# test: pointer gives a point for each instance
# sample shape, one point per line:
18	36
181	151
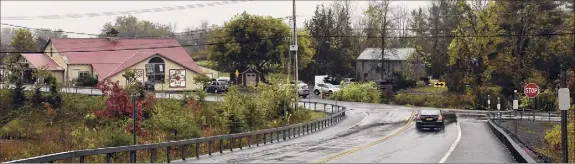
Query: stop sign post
531	90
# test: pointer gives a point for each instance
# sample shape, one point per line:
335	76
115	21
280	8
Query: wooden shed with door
248	77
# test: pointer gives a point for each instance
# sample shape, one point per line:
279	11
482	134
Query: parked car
217	87
325	88
348	81
302	90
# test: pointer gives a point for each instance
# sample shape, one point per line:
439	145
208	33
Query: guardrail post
82	159
257	140
108	157
132	156
152	155
331	108
221	145
278	136
231	140
210	147
272	137
265	139
314	105
241	138
284	133
249	140
324	107
168	154
183	152
197	150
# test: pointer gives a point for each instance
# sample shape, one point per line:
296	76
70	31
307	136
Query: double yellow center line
407	125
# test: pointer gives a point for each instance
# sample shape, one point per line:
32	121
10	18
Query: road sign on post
237	74
564	105
515	101
439	84
531	90
564	99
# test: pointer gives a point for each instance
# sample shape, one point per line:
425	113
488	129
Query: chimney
112	35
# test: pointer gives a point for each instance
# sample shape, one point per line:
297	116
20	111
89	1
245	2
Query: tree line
481	43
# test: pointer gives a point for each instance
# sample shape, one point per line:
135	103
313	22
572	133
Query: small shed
249	76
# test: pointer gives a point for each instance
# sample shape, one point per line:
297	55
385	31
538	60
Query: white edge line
453	145
365	113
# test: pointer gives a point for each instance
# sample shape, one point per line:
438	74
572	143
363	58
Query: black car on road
429	118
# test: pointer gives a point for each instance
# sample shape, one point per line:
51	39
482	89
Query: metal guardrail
517	150
291	131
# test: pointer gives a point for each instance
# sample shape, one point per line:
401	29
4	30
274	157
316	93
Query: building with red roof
162	62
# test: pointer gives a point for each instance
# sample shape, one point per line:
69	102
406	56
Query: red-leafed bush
119	104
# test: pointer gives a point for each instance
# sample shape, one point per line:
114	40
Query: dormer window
156	70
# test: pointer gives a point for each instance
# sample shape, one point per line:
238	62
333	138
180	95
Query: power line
303	36
126	12
101	35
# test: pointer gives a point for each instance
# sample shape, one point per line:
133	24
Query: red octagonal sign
531	90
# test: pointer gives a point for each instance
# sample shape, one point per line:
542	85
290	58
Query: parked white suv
325	88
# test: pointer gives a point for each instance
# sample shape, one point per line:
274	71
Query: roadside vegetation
87	122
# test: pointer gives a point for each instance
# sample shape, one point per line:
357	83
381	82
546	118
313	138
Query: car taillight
440	118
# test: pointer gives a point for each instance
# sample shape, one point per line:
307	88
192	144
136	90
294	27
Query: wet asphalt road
392	140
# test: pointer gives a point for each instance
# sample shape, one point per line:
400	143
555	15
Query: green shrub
360	92
173	119
18	97
86	81
20	128
553	139
37	98
444	100
114	137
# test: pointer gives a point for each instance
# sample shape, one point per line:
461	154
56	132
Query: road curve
477	144
364	123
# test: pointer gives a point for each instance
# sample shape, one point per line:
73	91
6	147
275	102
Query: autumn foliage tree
119	105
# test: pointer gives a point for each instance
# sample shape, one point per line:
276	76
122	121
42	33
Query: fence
255	137
540	103
96	92
514	145
529	132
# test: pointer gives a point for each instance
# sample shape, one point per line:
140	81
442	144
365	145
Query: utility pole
294	48
572	51
383	30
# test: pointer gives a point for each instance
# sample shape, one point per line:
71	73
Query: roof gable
42	60
120	54
390	53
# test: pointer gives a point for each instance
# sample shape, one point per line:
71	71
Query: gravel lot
531	134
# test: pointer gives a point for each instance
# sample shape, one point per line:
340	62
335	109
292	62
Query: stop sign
531	90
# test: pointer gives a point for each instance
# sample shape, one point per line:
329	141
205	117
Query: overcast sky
188	17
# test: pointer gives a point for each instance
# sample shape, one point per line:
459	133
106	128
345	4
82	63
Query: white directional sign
515	104
564	99
293	47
